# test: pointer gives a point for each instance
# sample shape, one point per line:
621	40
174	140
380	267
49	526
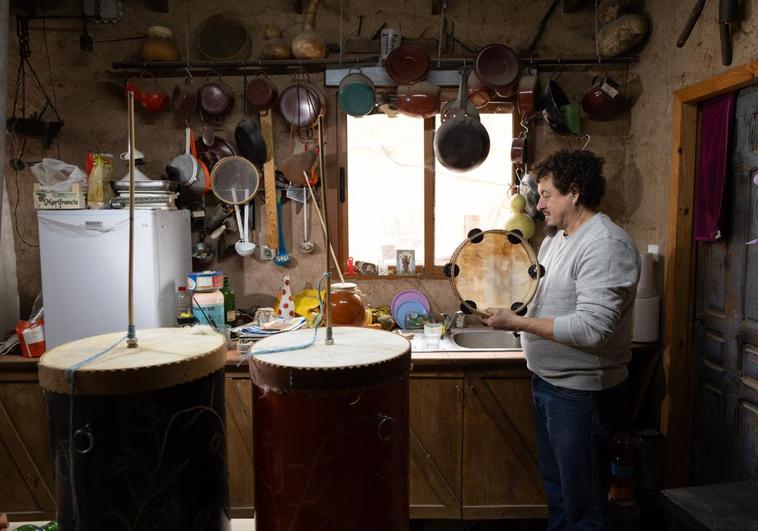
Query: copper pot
419	99
261	93
479	94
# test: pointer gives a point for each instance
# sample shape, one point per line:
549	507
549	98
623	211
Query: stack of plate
271	328
406	302
147	194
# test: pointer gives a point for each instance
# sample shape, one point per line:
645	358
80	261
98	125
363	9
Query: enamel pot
356	94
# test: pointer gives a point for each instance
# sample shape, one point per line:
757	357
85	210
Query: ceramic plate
409	295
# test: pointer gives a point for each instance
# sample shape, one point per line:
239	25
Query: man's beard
550	230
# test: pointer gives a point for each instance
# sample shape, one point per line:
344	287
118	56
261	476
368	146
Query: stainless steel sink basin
485	338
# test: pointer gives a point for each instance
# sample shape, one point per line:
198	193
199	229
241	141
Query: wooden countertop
11	363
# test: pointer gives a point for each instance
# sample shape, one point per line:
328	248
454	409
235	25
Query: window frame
426	271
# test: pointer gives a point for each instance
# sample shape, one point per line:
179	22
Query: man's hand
502	318
505	319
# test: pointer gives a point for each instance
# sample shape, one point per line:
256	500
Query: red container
32	338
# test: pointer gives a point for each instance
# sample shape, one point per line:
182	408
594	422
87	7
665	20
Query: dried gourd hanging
309	44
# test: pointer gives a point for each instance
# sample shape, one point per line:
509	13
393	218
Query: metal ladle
306	246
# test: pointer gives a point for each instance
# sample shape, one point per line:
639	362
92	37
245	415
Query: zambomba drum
330	434
138	435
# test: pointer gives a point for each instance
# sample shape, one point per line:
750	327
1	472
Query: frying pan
461	143
301	103
553	98
210	155
250	141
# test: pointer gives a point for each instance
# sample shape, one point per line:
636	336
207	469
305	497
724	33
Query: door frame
677	405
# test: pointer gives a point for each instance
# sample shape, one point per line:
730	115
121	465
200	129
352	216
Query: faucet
457	320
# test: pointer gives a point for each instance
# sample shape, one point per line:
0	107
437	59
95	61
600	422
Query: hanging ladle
281	258
243	246
306	246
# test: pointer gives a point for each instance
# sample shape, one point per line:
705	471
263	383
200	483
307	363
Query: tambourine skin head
493	268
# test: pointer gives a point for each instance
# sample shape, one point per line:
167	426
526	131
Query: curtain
716	118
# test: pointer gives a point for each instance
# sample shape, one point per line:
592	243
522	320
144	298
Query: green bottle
230	303
50	526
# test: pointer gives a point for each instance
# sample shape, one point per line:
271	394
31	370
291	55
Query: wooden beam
677	405
729	81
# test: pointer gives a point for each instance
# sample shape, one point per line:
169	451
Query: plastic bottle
230	302
184	307
622	468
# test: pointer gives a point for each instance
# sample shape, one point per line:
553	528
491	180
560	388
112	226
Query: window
397	191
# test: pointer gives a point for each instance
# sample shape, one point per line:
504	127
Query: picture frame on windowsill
405	263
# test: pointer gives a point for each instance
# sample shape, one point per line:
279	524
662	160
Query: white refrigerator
84	257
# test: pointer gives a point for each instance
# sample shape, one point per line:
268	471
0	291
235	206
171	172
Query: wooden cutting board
269	180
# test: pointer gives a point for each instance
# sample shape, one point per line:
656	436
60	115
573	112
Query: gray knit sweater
589	287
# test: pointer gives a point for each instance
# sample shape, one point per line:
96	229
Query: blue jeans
574	430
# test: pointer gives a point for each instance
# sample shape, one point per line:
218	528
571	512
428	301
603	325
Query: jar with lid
346	304
207	299
159	45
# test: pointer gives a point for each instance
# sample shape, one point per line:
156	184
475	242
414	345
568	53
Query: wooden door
239	442
26	464
435	440
501	476
725	419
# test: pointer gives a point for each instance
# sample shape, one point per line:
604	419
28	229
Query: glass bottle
230	302
184	307
622	468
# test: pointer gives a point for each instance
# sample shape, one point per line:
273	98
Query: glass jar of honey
346	304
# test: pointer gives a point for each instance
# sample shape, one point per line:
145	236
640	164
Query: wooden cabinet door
239	443
501	477
436	431
26	464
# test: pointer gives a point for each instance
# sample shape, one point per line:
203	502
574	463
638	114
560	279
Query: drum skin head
493	269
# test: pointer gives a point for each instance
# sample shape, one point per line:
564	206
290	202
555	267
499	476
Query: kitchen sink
485	338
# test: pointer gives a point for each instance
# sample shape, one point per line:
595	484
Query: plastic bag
57	175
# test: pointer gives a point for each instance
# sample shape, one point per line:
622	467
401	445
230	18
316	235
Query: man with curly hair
576	338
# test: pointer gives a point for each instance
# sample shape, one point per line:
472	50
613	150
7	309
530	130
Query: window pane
385	168
477	198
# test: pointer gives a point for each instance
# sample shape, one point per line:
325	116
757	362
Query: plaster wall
636	145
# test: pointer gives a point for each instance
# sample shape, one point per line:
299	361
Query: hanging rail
179	68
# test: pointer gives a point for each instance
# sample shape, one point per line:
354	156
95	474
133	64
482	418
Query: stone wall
636	145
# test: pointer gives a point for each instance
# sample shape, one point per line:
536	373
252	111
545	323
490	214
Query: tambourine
494	269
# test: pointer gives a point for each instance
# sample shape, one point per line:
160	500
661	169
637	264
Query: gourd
519	220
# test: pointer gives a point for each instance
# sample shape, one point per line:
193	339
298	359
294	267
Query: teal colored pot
356	95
